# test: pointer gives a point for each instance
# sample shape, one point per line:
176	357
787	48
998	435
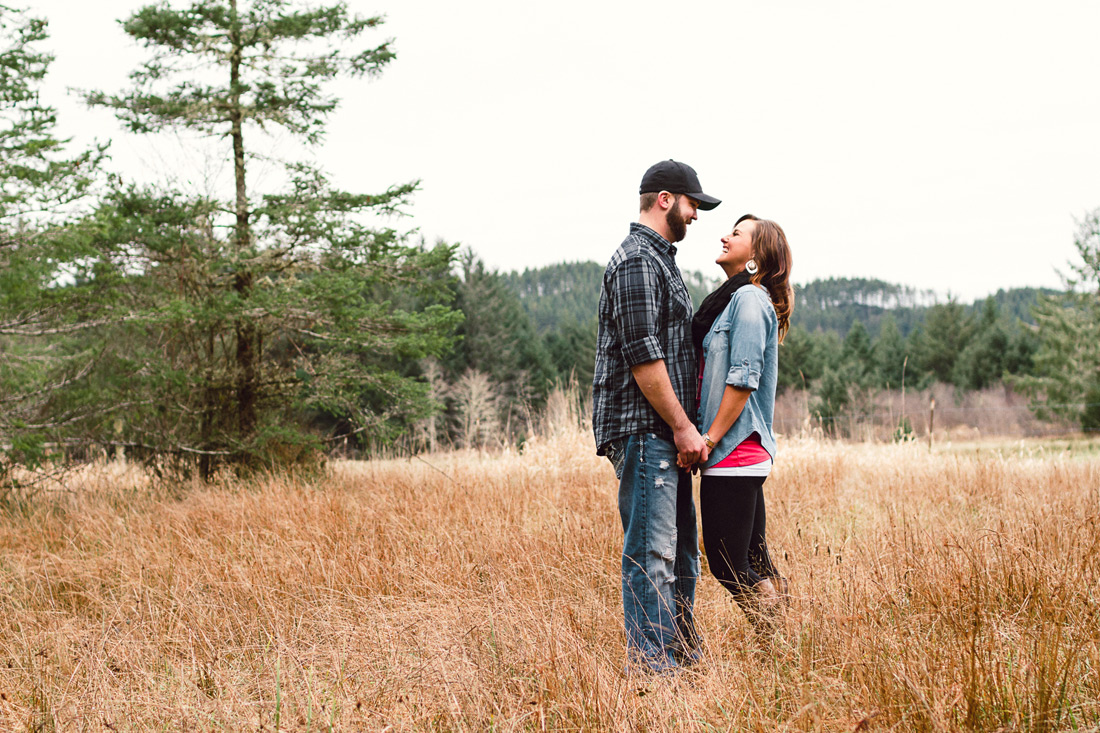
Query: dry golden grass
470	592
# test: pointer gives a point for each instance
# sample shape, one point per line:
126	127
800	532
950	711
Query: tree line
854	338
849	338
280	320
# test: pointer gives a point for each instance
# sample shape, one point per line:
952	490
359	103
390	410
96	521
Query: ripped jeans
660	552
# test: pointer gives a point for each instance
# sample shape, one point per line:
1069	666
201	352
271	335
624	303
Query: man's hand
690	445
652	379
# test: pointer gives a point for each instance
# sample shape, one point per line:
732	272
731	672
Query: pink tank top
748	453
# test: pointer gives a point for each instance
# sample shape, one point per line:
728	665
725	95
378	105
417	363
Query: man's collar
663	245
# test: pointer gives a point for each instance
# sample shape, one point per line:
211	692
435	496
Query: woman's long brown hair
773	258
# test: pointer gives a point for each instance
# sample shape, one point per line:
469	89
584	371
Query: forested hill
835	304
569	292
848	337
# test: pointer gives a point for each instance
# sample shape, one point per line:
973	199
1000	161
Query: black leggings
733	531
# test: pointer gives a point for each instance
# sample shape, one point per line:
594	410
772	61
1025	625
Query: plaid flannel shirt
645	314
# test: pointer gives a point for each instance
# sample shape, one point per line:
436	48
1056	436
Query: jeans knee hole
669	553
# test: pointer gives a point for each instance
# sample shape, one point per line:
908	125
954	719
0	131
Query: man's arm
652	379
637	290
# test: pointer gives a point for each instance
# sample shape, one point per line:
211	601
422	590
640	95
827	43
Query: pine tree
572	349
797	369
1066	382
295	310
40	183
986	357
499	342
858	352
37	175
891	355
947	330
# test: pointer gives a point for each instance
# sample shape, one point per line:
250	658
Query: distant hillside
568	293
558	294
834	304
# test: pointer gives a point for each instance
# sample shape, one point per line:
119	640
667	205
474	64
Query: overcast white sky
946	145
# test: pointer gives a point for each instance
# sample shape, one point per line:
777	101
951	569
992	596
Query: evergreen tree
947	330
796	366
857	352
891	356
37	175
1066	379
292	310
828	352
39	183
499	342
833	386
572	349
834	397
996	349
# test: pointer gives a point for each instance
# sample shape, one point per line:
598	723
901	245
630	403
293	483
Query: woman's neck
732	270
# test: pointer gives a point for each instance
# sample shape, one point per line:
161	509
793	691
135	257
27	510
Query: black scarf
713	305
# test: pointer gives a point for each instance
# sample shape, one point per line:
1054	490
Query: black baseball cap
674	177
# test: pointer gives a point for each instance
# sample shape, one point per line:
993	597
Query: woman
738	329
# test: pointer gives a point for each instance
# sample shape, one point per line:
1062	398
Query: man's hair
649	200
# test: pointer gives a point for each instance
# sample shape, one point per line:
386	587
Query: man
644	392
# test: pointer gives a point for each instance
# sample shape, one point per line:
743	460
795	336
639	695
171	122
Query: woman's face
737	247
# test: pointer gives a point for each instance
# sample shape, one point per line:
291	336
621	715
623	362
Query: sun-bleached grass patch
936	591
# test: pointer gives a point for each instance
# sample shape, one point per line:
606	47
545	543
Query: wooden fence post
931	421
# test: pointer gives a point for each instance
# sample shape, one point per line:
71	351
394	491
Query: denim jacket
742	349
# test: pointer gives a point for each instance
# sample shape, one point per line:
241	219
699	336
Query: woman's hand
693	467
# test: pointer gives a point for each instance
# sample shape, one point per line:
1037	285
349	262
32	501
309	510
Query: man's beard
677	226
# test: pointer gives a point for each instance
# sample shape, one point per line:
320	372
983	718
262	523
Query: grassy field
952	590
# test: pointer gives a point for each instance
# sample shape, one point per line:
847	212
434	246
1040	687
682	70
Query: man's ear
666	200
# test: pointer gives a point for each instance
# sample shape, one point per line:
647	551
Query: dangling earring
751	267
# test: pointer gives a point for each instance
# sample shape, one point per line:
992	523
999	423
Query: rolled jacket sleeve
748	340
636	311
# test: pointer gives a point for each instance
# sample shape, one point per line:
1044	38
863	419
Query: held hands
693	467
691	447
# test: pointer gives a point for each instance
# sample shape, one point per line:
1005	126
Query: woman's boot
784	589
763	607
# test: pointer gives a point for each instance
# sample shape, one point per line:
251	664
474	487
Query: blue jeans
660	552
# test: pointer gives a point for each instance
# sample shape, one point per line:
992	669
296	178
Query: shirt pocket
716	344
679	305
